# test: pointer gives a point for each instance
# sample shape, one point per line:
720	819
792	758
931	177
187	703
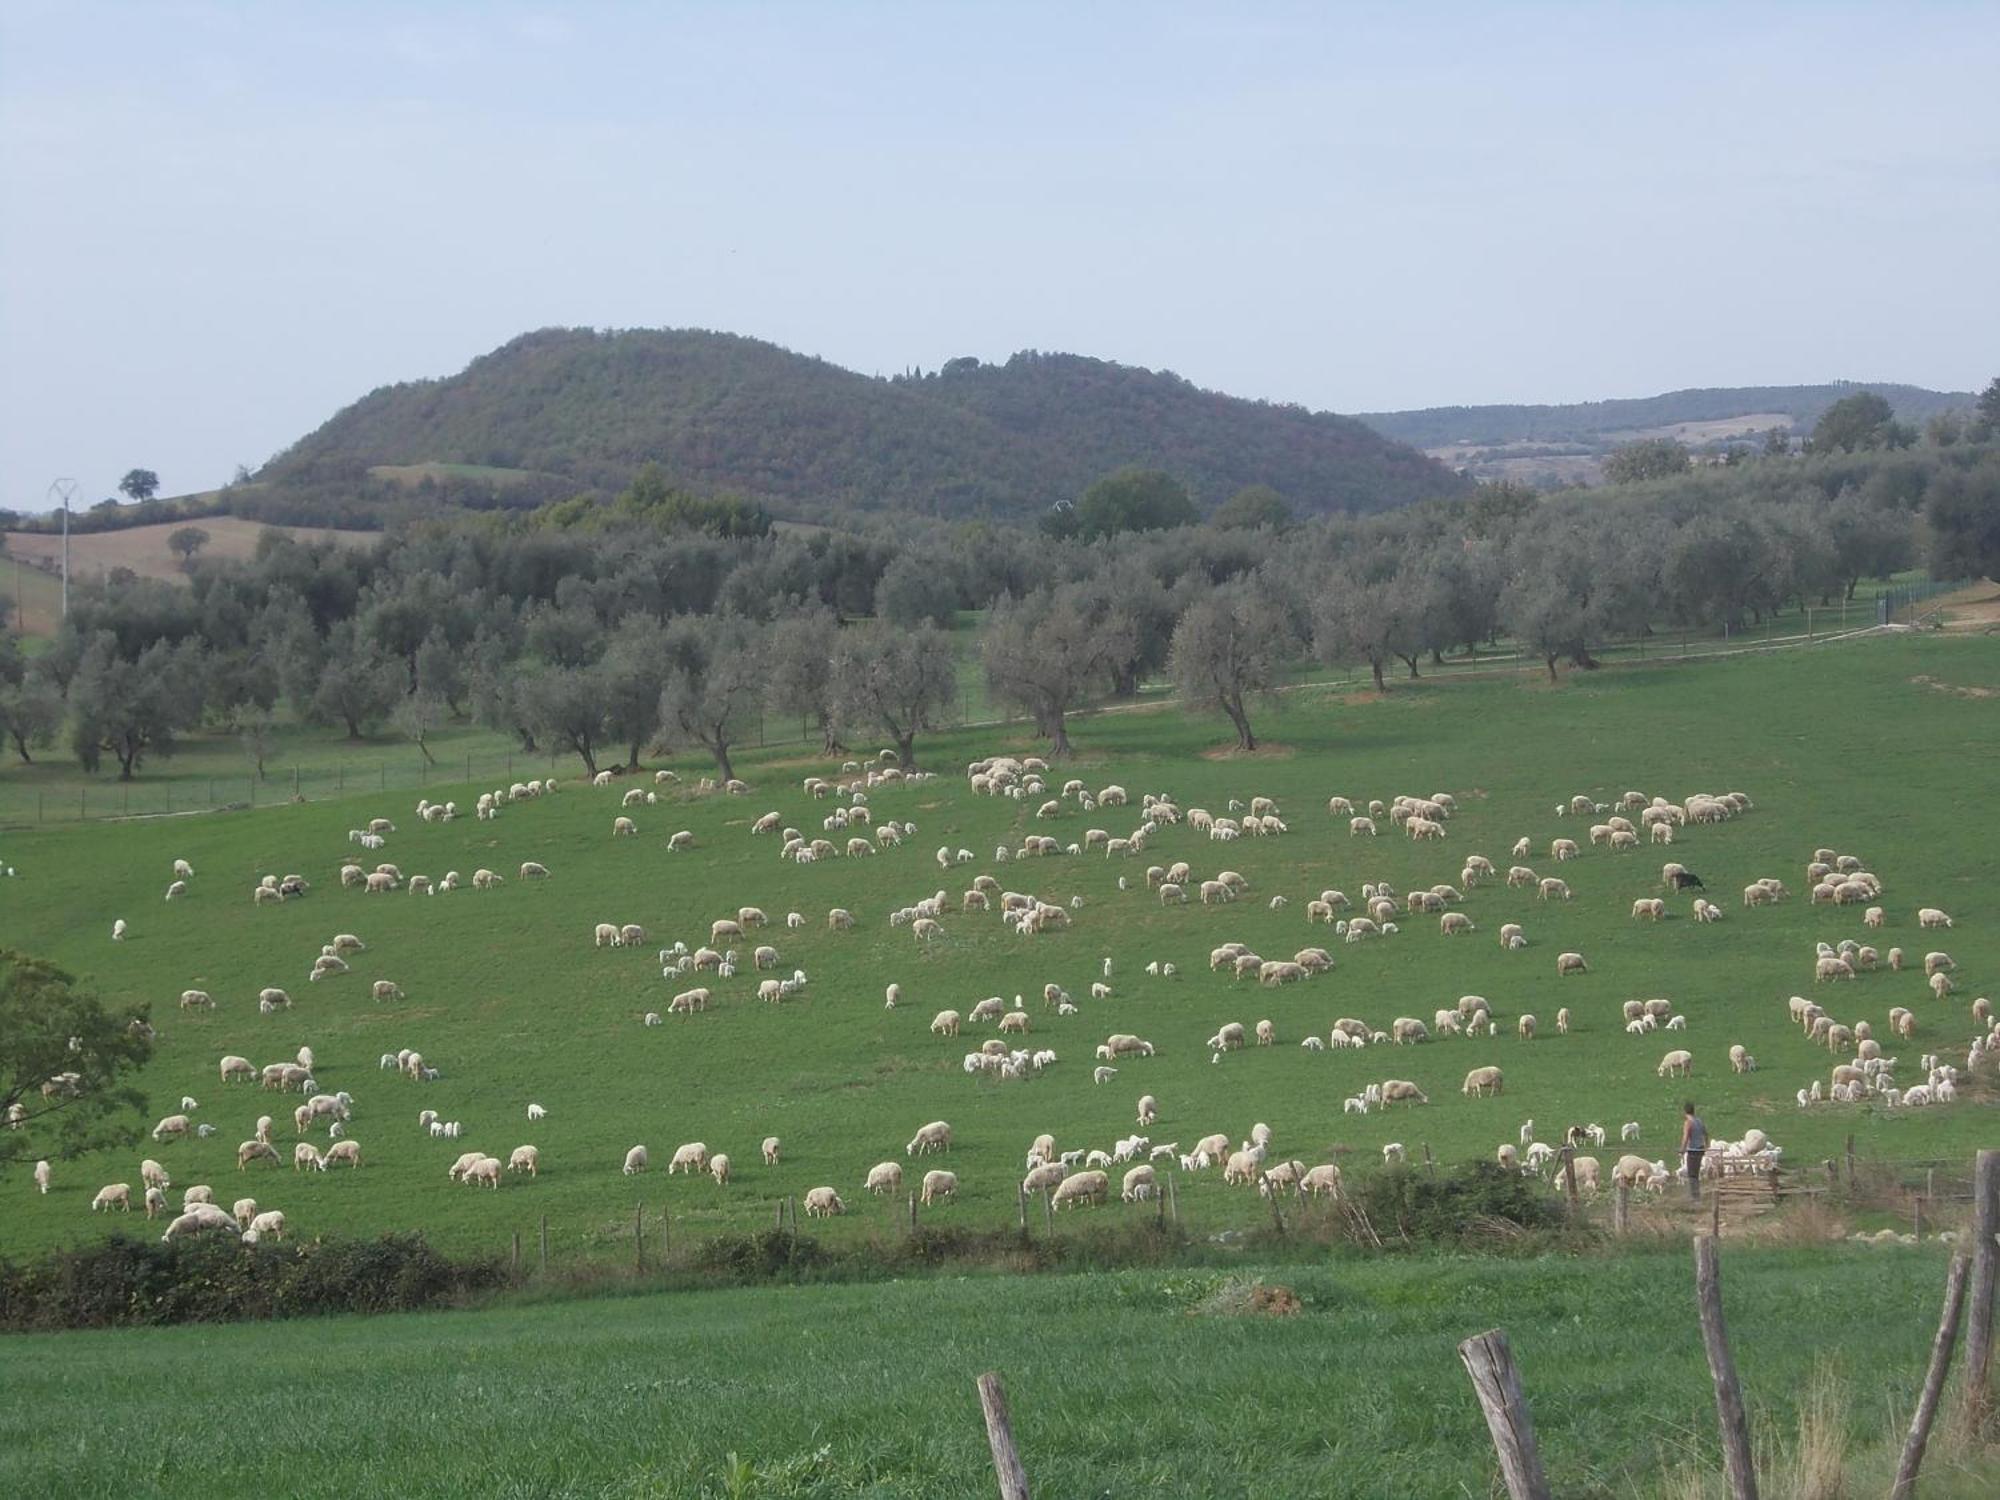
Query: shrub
125	1282
1474	1204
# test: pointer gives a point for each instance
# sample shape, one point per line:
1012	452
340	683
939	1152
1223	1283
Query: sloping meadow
505	994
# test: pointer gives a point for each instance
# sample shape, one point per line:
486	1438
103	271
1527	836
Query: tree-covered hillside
586	409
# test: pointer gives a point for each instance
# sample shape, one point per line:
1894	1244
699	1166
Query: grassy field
1121	1384
143	549
507	995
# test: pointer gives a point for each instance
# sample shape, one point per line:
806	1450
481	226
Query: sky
220	223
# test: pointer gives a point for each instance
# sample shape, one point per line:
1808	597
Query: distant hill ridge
1590	421
585	409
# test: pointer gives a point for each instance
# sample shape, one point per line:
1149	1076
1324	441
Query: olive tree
897	681
713	689
1230	644
1041	655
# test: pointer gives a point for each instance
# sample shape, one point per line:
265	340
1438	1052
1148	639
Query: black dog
1687	880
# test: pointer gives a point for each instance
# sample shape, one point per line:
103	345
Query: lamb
937	1186
118	931
823	1203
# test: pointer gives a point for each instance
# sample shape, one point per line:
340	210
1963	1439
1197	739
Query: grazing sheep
1402	1091
1676	1065
1928	916
1149	1109
1082	1187
935	1136
690	1158
1526	1028
257	1150
884	1178
635	1161
718	1168
343	1151
938	1185
1562	1021
823	1203
1482	1081
1570	963
114	1195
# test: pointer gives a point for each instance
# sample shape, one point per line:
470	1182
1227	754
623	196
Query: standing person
1694	1144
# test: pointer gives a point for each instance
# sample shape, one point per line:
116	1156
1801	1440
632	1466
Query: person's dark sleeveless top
1697	1134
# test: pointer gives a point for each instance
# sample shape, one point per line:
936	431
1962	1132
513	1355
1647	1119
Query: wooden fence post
1174	1199
913	1213
639	1236
1621	1207
1049	1212
1927	1402
1271	1193
778	1223
1568	1154
1021	1207
1497	1383
1715	1212
1430	1162
545	1244
1979	1337
515	1261
1734	1421
1000	1438
1850	1164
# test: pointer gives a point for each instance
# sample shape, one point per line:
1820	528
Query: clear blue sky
224	221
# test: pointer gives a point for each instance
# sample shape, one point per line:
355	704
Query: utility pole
65	491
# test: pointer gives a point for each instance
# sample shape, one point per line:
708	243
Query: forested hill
568	409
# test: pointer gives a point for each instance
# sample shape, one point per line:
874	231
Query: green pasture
1876	747
1121	1384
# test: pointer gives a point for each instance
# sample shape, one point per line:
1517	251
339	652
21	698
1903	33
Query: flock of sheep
1082	1174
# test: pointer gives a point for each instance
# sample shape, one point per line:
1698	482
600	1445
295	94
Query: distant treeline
613	629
